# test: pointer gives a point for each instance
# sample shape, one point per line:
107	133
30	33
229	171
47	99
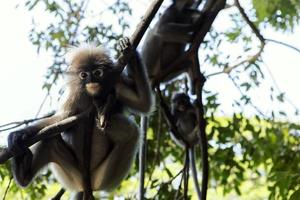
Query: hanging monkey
184	114
168	40
112	146
185	119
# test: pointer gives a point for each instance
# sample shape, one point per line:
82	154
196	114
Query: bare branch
229	69
284	44
7	188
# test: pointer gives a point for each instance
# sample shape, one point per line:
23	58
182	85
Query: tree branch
140	30
284	44
228	70
249	22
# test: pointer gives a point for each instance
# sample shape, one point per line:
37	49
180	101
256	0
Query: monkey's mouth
93	88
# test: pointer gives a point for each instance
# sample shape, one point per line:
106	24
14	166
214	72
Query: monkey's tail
194	171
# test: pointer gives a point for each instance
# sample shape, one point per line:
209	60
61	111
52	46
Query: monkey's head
93	70
181	103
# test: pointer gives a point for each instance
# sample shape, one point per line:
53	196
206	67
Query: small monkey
111	150
184	113
168	39
185	117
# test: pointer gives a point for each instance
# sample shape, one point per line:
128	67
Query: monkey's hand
126	48
16	143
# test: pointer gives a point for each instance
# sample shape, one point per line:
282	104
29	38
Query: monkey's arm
138	95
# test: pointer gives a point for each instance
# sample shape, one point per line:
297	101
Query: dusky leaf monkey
111	149
168	39
185	119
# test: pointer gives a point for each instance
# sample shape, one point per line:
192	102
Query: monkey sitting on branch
86	157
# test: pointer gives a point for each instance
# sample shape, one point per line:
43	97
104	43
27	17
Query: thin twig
43	103
242	93
180	184
251	59
24	122
278	88
59	194
284	44
229	69
7	188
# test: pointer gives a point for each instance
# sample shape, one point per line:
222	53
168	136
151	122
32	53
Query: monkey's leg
125	136
65	166
139	95
194	171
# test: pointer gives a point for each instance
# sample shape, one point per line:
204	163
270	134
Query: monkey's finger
127	41
121	46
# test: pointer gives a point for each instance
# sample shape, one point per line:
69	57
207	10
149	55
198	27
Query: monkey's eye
83	75
98	73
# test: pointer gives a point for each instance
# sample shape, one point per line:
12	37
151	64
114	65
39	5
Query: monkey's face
96	79
93	70
181	103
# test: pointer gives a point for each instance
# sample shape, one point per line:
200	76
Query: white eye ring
98	73
83	75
